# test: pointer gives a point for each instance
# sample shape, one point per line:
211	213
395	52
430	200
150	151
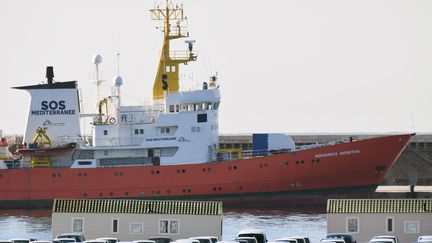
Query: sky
290	66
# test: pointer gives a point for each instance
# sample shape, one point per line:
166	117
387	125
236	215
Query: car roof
384	236
186	240
332	240
251	231
381	240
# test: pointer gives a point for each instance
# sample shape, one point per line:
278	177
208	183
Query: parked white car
392	237
77	236
109	239
287	240
144	241
247	239
423	238
382	240
20	240
186	241
259	235
64	240
205	239
332	240
96	241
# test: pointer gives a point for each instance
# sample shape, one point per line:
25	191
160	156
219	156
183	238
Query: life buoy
112	120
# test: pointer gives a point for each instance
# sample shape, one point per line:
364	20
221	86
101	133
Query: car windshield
251	240
258	237
161	240
346	238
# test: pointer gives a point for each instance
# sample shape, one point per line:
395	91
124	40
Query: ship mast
167	76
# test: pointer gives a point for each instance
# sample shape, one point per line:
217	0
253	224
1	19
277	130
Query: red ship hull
307	177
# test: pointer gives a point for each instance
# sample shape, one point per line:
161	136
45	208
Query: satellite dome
97	59
117	81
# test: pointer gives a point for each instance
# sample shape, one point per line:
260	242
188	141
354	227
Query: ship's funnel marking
53	107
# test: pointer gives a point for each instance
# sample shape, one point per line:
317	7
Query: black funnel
50	74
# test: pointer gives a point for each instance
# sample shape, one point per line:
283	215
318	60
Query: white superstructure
183	131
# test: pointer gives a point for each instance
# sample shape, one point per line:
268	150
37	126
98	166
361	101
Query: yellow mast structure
167	76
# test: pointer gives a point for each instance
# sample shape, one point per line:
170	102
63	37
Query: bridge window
165	130
85	162
202	117
171	108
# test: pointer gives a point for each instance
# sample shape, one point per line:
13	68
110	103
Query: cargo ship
169	149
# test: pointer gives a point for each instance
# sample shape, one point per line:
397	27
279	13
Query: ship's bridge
206	99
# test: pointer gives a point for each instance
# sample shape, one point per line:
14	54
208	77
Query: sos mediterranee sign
53	107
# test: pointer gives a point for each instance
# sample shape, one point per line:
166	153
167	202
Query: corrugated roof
379	206
136	206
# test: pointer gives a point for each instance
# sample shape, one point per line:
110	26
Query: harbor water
276	223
